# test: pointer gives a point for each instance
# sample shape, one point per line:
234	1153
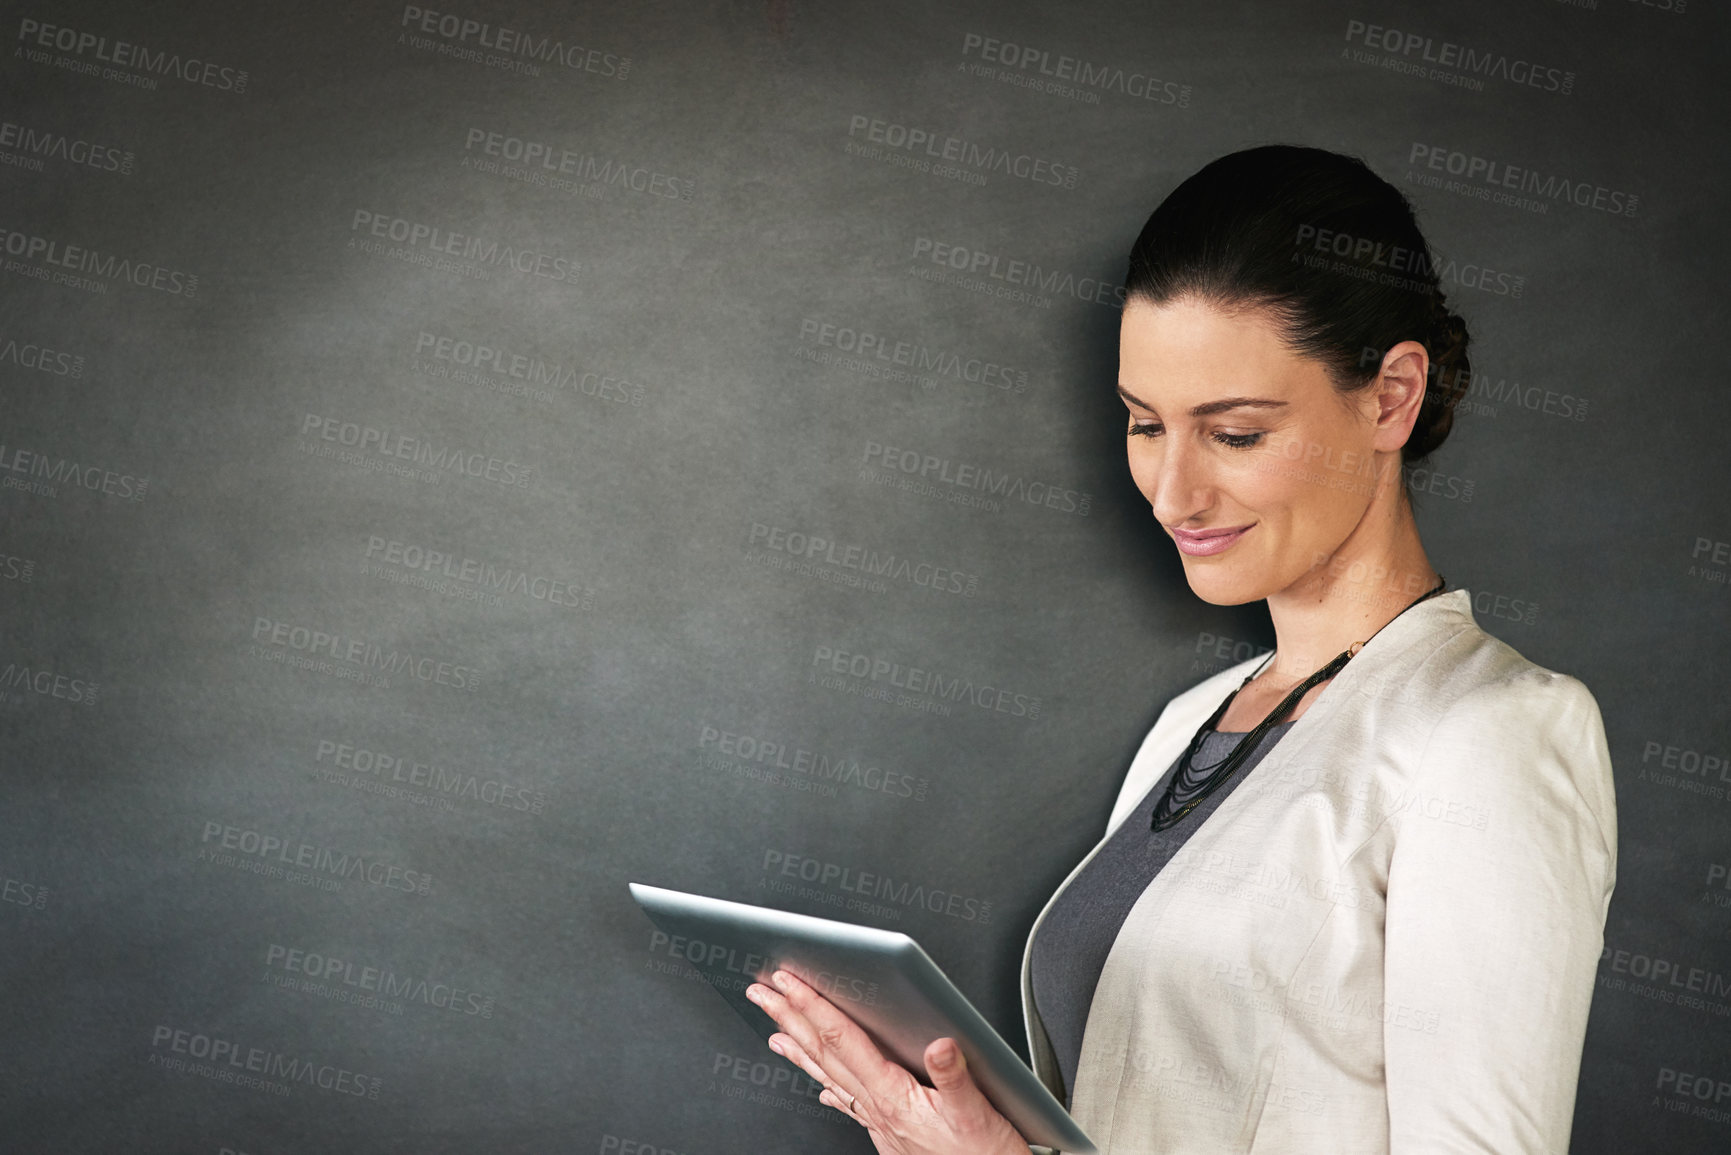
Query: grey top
1071	947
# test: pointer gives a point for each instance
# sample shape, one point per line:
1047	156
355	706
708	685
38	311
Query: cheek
1143	466
1266	482
1316	499
1297	492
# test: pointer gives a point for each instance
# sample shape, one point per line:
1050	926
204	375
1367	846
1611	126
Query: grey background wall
446	477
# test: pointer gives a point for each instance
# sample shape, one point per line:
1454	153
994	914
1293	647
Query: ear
1399	391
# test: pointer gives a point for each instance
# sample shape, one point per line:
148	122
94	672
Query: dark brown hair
1328	248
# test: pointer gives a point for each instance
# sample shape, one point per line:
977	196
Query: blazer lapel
1175	727
1178	724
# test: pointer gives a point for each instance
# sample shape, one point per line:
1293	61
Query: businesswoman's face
1254	463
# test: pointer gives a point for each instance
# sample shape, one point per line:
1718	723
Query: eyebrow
1210	407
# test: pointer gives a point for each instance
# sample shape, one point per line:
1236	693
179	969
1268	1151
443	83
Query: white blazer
1384	940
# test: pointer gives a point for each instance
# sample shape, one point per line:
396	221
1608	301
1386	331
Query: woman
1352	894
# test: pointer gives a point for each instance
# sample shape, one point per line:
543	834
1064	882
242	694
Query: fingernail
776	1047
754	994
779	978
947	1057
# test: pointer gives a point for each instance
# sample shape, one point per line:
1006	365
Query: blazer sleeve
1498	884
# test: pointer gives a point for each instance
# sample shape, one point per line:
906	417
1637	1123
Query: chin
1221	588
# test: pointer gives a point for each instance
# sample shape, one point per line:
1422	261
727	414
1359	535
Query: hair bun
1450	378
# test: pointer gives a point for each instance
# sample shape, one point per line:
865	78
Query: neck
1378	571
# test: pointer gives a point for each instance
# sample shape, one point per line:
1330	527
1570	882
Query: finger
788	1048
806	1035
794	1027
842	1045
838	1044
832	1096
770	1002
831	1099
962	1099
947	1068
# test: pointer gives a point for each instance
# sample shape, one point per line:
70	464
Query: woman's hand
902	1116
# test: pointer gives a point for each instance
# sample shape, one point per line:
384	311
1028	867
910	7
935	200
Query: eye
1145	429
1238	440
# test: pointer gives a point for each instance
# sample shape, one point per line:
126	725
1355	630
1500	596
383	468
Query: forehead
1185	351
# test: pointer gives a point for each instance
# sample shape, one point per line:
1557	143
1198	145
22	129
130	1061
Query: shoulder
1525	743
1454	675
1486	684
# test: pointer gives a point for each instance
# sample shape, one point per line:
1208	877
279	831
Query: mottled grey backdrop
459	459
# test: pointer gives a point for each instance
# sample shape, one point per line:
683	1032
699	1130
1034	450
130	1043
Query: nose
1182	487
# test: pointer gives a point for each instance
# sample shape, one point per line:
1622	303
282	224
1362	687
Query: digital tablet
880	978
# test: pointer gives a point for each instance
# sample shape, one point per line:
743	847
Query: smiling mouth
1202	543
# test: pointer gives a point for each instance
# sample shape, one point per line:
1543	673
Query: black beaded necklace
1170	810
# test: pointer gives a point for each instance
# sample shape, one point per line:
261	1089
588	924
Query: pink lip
1203	543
